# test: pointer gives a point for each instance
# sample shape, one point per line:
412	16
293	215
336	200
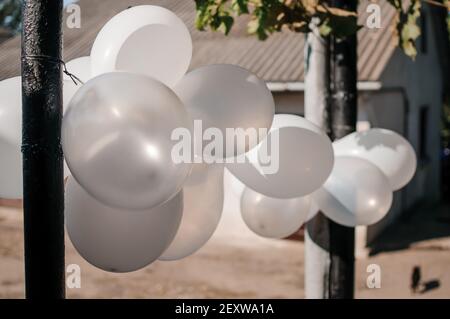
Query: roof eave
300	86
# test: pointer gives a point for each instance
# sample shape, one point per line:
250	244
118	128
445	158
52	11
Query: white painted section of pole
317	259
315	78
362	86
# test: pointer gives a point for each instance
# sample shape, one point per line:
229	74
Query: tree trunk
330	247
42	153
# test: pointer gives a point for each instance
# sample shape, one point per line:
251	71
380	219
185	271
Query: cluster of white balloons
128	203
353	187
369	166
276	204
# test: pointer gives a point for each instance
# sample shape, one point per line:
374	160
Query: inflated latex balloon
356	193
11	138
234	184
11	184
11	110
118	240
294	160
203	204
116	137
273	217
145	39
227	97
388	150
313	210
81	68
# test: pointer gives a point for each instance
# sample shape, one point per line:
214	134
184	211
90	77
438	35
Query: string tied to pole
75	79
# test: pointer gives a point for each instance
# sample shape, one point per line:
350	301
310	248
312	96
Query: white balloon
301	164
388	150
145	39
11	184
11	177
11	110
273	217
356	193
81	68
227	96
313	210
116	137
118	240
231	182
11	138
203	204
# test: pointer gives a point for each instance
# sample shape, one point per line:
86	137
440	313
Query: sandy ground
237	264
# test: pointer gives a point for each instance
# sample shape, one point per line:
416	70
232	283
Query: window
423	133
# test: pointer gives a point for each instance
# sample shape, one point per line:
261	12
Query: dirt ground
237	264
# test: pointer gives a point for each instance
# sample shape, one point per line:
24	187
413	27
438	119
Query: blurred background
395	92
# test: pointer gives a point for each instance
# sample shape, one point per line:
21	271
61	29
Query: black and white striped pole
43	179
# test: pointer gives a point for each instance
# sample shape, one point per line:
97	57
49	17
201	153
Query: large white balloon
81	68
203	203
390	151
301	159
118	240
273	217
11	180
234	184
227	97
313	210
11	184
356	193
116	136
11	138
11	110
145	39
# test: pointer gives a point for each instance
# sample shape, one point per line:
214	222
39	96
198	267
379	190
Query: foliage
407	30
269	16
10	14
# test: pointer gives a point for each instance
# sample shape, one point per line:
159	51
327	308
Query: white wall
422	80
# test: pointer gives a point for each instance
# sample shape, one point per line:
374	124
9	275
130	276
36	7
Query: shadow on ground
423	224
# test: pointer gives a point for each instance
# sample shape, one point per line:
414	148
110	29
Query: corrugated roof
278	59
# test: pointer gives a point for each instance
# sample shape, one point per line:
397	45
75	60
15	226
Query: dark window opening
423	133
423	29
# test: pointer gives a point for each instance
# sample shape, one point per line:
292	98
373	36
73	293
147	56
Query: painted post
330	247
344	109
42	154
317	87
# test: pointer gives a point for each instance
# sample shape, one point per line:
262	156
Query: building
394	91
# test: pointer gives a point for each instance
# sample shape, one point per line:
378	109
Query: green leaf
325	29
253	26
409	30
227	24
339	26
240	6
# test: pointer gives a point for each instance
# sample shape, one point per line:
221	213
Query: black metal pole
42	154
336	239
343	121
